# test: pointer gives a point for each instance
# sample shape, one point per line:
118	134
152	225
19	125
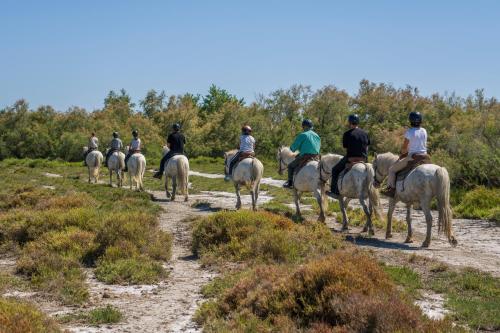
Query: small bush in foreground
17	317
480	203
260	237
130	271
344	292
97	316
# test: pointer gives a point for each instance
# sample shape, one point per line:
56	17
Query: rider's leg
395	168
126	160
336	170
232	163
163	162
291	168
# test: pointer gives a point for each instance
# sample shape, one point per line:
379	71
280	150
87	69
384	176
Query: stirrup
157	174
227	178
288	185
333	195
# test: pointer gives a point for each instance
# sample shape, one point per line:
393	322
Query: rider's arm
297	143
404	148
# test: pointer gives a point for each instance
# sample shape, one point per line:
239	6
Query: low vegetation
20	317
481	202
97	316
296	277
59	231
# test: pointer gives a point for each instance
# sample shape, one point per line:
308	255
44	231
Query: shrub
130	271
18	317
346	291
482	203
261	236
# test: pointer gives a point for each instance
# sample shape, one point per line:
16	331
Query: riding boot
289	183
334	186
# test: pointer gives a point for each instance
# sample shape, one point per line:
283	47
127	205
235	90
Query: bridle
377	175
281	163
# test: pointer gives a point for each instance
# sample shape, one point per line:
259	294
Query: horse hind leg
296	197
368	225
319	199
409	236
345	220
174	187
428	219
238	198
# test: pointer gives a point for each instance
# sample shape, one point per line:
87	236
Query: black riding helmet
246	129
135	133
353	119
307	123
415	118
115	134
176	127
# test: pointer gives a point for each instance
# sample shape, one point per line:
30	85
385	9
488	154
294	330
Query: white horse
306	180
419	187
116	163
249	173
94	162
357	183
136	165
177	169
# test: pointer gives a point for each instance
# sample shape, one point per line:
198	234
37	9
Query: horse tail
183	174
121	161
257	170
373	195
324	197
444	209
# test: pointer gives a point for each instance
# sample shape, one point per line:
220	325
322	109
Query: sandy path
478	240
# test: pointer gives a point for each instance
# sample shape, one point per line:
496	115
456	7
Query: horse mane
287	151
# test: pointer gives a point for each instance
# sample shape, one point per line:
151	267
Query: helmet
353	119
246	129
415	118
115	134
307	123
135	133
176	127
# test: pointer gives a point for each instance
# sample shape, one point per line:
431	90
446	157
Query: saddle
304	159
244	155
417	160
351	161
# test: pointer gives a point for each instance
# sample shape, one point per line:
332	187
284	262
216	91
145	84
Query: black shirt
356	142
176	141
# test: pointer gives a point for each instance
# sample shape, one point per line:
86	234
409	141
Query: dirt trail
478	240
170	305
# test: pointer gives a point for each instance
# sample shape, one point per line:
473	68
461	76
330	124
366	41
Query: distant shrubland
463	132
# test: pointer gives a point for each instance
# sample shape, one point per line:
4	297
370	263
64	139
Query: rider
415	143
115	145
247	147
92	145
134	147
356	142
175	143
308	143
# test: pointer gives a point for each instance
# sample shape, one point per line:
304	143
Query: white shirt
135	144
247	143
418	140
93	142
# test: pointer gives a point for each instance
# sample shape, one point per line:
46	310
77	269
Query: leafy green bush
482	203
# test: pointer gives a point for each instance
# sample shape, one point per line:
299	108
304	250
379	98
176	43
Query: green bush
130	271
261	237
482	203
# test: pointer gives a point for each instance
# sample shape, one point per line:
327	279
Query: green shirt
307	142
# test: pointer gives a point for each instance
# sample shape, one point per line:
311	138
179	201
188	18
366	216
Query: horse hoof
387	236
408	240
186	199
365	229
371	233
344	229
426	244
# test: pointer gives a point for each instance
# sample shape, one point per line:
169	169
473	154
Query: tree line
463	132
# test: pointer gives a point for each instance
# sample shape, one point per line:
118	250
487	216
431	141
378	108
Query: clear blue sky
65	53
